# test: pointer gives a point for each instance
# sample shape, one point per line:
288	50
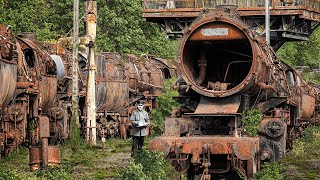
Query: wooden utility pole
75	88
91	28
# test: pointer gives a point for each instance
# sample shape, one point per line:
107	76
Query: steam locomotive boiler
122	81
226	70
28	90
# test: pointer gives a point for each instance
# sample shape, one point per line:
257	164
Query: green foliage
148	165
270	171
310	76
9	174
75	139
122	29
44	17
312	134
303	161
305	53
251	121
165	105
132	172
53	174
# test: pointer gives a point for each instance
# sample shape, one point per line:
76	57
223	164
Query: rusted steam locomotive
121	82
36	82
28	89
227	69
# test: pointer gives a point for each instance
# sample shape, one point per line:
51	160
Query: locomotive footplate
236	149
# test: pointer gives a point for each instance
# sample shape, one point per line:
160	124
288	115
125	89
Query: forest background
122	29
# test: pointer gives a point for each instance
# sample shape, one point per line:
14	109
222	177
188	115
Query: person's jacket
139	121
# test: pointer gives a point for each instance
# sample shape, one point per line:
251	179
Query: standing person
140	121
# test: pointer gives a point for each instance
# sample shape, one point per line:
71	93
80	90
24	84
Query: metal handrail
176	4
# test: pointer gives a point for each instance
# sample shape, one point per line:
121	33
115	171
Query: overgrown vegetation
306	53
16	167
148	165
271	171
251	121
85	163
121	27
313	77
75	139
165	105
303	162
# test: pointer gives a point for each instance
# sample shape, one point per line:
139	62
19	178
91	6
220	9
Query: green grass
85	162
303	162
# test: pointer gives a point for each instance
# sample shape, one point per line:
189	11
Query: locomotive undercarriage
216	145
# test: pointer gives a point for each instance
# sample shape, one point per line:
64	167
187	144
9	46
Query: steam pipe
202	64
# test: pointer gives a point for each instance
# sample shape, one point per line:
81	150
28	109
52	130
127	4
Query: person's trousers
137	144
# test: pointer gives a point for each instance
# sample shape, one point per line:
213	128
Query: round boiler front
217	57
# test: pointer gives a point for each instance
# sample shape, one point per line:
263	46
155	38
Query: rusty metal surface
243	5
44	127
219	27
8	66
48	91
122	81
112	96
8	79
244	147
228	105
53	156
35	157
28	89
307	106
176	16
227	68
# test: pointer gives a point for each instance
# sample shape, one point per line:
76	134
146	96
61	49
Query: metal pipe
233	62
267	19
202	63
44	152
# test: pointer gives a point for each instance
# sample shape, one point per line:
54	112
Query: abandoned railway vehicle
228	68
36	82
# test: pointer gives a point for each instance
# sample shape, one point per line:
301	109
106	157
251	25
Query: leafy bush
53	174
132	172
270	171
148	165
251	121
9	174
312	134
165	105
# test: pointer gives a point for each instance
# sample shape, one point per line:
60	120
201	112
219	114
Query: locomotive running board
245	148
